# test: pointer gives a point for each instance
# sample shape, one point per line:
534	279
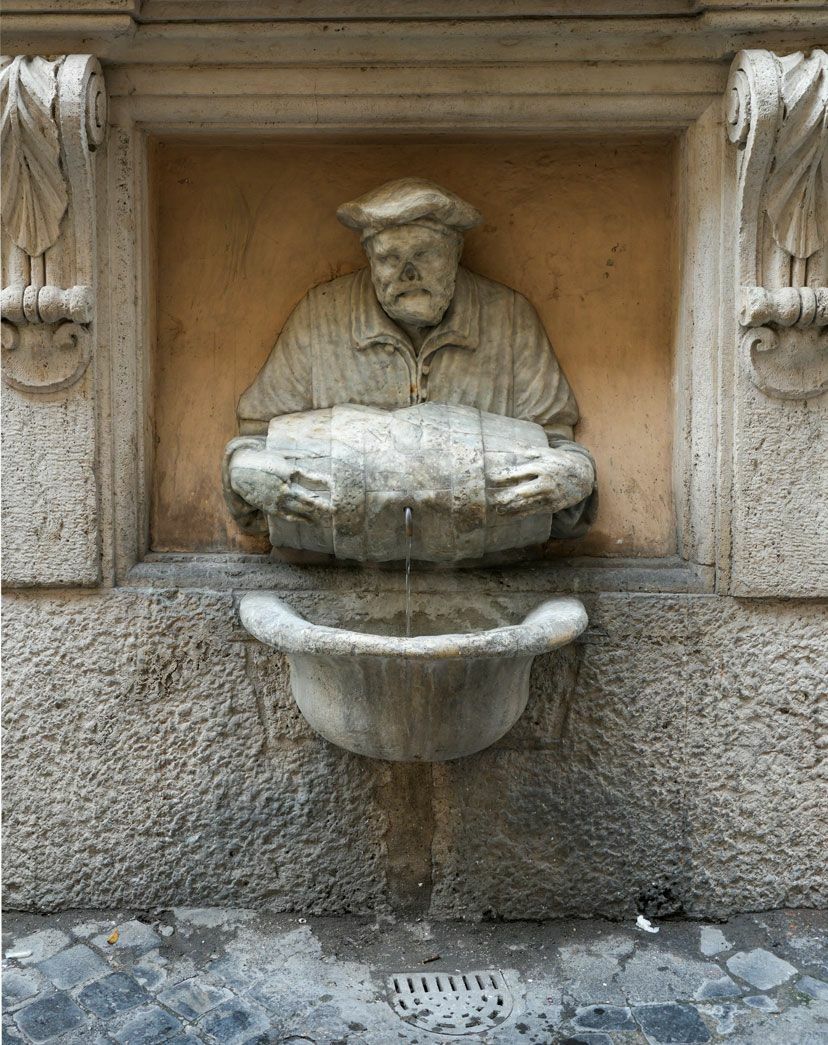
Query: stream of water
408	517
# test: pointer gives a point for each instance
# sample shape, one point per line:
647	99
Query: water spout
408	518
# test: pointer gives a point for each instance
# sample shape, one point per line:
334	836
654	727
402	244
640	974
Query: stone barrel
434	458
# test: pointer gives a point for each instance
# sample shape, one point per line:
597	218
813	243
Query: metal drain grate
460	1003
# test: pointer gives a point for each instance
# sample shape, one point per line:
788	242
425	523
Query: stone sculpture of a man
415	326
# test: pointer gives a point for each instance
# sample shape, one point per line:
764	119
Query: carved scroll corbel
52	119
777	116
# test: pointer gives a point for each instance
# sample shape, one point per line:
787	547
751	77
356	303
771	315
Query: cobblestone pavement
243	977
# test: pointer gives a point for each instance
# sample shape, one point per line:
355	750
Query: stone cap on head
408	201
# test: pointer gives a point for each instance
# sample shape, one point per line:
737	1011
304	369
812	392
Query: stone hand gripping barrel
433	458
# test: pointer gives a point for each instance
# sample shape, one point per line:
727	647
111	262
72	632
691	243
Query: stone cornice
293	32
202	11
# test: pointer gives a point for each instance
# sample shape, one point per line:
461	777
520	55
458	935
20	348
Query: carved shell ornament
777	115
35	196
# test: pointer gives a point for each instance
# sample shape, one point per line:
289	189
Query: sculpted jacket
490	351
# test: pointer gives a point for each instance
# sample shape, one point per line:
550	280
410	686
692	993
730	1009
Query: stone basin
457	685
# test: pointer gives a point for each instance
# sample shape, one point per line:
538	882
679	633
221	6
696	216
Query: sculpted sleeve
284	385
248	517
542	394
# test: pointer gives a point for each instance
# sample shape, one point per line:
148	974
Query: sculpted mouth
413	292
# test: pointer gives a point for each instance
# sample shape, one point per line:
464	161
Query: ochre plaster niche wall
582	228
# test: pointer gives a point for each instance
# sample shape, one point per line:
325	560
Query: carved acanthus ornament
777	115
52	119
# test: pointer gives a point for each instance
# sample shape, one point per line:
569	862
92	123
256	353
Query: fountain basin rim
554	623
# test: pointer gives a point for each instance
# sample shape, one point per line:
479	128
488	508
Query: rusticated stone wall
667	763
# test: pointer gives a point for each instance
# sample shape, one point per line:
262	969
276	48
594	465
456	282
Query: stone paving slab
193	998
48	1017
78	964
20	985
112	994
760	968
40	945
189	976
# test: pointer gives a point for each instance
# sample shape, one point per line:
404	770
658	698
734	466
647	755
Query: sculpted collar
460	325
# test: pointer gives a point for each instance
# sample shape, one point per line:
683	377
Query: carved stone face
413	270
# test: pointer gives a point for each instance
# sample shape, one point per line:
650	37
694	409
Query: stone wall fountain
412	410
170	176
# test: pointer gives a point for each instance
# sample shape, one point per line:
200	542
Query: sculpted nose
409	272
